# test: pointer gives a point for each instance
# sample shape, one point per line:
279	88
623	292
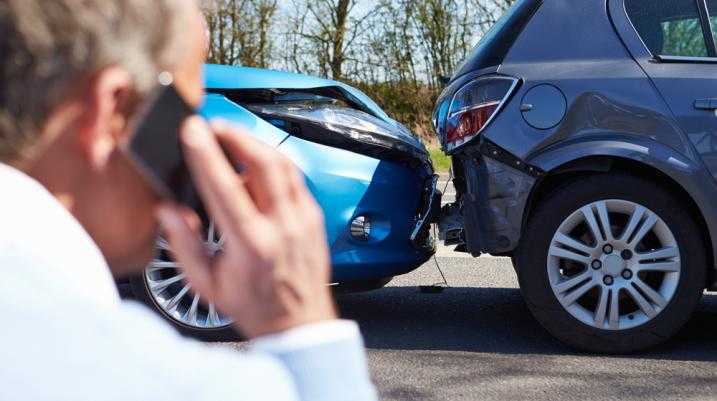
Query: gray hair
47	47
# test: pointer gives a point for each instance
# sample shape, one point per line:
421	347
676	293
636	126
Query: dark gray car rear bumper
494	188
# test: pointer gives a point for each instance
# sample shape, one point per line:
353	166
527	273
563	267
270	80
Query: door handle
706	104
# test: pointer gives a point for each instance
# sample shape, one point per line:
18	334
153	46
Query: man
74	211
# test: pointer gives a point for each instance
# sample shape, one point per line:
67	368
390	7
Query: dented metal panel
493	205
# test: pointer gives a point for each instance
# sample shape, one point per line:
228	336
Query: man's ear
102	124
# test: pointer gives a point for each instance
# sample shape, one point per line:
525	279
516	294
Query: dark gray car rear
594	98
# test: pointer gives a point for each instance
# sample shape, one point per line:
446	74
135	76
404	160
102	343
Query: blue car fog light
361	228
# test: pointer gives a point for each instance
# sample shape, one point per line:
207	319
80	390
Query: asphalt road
477	341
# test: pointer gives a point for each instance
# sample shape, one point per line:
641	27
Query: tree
445	29
239	31
393	47
489	11
325	31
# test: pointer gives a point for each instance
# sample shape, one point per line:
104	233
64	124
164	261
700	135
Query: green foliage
441	162
411	104
684	38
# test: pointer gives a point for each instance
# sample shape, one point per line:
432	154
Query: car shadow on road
492	320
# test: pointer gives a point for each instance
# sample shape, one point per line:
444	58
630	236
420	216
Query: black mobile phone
155	148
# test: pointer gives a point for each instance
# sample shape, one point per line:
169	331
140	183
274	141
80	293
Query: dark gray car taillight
473	107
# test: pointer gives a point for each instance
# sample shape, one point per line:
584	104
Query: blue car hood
217	106
221	77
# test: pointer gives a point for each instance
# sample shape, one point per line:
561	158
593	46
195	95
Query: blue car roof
229	77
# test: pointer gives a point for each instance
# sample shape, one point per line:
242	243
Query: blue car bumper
348	185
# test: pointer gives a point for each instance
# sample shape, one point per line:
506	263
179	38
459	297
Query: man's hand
273	272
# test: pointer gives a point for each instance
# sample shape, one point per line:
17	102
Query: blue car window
669	27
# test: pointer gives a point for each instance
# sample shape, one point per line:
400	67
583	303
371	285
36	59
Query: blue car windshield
495	44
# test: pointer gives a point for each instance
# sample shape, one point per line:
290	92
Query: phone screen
156	149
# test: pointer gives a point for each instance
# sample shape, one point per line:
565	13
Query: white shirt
66	335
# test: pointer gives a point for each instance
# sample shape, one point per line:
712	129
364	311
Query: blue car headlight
346	128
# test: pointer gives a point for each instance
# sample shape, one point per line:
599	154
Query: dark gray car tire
531	260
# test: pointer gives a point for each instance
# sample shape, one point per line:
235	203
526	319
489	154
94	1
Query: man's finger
219	185
181	228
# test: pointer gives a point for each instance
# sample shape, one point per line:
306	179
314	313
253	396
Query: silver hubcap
614	264
173	294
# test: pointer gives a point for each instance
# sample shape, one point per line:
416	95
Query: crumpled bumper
392	195
494	193
429	213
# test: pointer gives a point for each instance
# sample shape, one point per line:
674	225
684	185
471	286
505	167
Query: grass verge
441	162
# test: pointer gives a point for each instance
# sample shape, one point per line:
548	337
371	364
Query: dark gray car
584	144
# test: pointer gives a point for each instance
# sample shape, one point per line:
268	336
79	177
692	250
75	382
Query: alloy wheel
614	264
168	289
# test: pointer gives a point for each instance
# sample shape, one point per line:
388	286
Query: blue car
373	179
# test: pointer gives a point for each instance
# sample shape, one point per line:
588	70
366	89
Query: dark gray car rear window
493	47
669	27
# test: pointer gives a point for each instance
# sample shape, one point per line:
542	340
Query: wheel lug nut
608	280
626	254
627	274
608	249
596	264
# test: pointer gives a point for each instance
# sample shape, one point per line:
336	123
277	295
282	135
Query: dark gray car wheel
611	263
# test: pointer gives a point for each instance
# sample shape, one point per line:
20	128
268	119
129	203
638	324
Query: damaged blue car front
373	179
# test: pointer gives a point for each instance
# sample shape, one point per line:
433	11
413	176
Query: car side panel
604	88
689	174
